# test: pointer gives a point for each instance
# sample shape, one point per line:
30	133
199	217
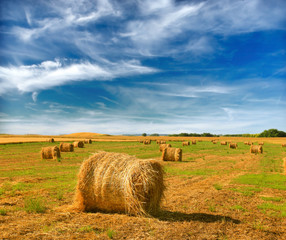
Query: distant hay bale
162	142
50	152
146	142
233	145
172	154
261	143
116	182
88	141
223	143
283	145
194	142
214	142
256	149
245	143
163	146
66	147
78	144
51	140
187	143
250	143
158	141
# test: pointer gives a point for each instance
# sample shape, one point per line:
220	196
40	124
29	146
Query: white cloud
50	74
34	96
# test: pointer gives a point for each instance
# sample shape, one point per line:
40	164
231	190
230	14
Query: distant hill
84	135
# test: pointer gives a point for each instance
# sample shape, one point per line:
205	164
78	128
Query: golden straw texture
256	149
66	147
50	152
172	154
116	182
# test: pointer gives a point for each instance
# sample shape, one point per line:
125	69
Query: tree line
266	133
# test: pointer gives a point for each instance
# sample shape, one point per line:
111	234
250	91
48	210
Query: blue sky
127	67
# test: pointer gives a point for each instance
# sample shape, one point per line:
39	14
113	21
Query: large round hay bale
163	146
233	145
172	154
256	149
223	143
283	145
50	152
261	143
194	142
117	182
78	144
162	142
66	147
51	140
186	143
88	141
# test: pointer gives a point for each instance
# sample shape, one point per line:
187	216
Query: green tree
144	134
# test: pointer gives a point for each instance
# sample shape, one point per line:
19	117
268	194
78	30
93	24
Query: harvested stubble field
214	193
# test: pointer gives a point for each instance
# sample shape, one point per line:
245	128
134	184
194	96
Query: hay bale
256	149
223	143
261	143
194	142
214	142
78	144
162	142
146	142
88	141
172	154
245	143
283	145
163	146
51	140
187	143
50	152
66	147
233	145
250	143
117	182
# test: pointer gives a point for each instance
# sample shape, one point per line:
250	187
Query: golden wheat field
215	192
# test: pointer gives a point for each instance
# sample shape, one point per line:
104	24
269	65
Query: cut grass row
20	162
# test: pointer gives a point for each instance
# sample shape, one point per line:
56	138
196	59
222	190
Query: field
214	193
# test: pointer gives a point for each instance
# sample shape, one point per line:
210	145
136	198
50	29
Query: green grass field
39	185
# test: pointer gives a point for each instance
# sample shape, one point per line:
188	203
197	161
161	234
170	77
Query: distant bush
272	133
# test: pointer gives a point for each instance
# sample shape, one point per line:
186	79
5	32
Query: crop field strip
212	180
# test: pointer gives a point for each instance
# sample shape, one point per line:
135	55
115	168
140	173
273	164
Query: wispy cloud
50	74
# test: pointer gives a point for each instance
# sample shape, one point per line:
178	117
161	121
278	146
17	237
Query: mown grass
276	181
23	171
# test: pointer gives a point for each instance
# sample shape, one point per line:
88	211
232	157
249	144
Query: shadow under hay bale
256	149
50	153
172	154
66	147
163	146
78	144
116	182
